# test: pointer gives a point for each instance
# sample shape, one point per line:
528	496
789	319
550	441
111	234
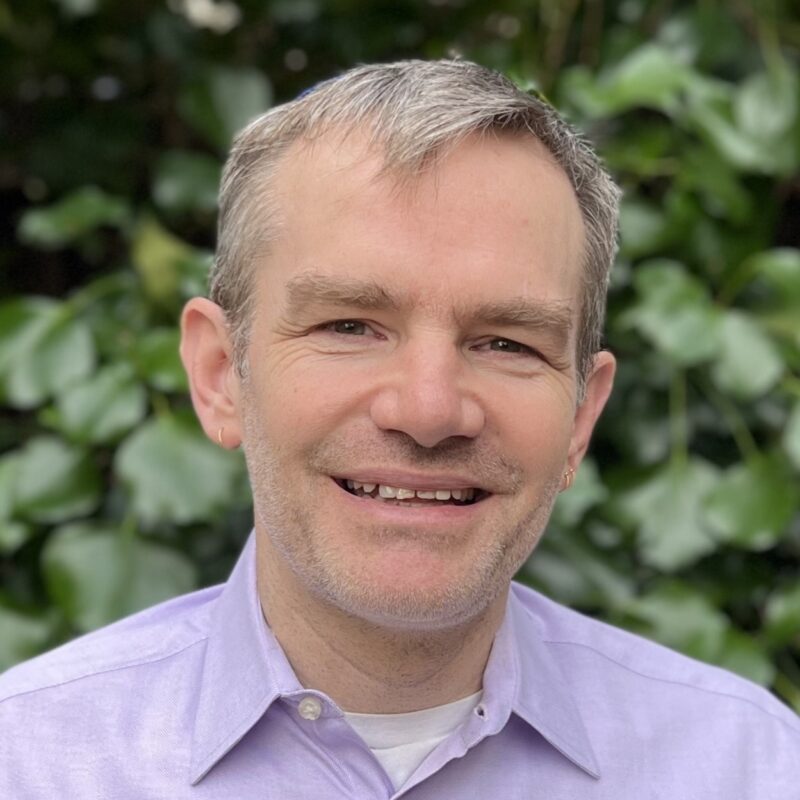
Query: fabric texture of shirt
194	698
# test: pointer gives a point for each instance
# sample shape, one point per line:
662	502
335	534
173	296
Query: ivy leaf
667	513
566	568
43	347
779	270
675	313
135	574
22	636
222	100
158	360
55	481
649	77
101	408
13	533
782	615
186	181
765	105
791	436
680	617
752	504
744	655
749	363
157	255
174	474
81	212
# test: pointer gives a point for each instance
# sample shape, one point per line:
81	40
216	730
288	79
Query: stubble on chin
308	549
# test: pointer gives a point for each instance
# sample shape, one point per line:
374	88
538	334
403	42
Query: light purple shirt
195	699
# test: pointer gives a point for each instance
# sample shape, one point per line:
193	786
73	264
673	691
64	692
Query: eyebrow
310	288
554	318
548	317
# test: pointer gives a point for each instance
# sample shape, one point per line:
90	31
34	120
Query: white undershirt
401	742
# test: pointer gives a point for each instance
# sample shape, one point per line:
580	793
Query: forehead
495	215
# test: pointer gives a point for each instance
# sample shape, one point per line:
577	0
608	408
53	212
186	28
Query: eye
509	346
347	326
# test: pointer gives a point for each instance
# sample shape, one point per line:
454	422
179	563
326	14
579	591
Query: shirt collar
245	671
522	677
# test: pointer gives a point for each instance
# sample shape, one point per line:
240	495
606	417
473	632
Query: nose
425	396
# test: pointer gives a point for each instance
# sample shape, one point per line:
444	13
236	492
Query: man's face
413	345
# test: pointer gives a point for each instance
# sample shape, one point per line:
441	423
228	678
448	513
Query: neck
369	668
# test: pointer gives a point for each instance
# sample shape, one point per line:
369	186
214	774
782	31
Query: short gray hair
415	112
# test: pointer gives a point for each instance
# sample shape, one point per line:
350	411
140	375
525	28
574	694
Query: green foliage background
684	524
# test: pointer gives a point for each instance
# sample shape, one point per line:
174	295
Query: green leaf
43	347
587	491
711	112
753	503
222	100
186	181
782	615
22	636
779	269
650	77
742	654
765	105
97	574
174	474
55	481
749	363
644	228
666	511
13	533
565	568
69	220
157	256
675	313
101	408
158	360
791	436
678	617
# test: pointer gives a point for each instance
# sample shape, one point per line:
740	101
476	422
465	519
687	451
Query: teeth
401	493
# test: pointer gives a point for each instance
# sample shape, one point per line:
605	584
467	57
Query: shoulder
641	675
152	637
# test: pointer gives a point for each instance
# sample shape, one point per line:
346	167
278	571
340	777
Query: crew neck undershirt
401	742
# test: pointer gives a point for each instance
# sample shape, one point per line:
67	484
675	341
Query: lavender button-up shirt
195	699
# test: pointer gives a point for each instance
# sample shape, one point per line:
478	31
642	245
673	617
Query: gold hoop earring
569	477
219	436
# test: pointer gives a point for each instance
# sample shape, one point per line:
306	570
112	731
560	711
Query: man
404	336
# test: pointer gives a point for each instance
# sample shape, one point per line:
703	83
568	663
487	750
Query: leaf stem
678	422
745	443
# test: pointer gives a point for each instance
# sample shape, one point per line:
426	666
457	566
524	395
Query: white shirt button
309	708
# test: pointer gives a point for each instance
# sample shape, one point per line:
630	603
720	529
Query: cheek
535	425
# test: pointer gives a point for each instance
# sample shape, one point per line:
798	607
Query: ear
207	355
598	388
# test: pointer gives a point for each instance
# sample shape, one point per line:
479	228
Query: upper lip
410	480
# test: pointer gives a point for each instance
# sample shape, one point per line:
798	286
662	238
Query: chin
412	599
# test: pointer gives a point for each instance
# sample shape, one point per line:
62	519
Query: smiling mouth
402	496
